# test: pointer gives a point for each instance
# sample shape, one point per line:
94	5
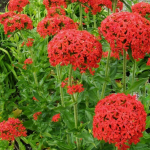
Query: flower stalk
80	10
60	88
124	71
108	58
74	98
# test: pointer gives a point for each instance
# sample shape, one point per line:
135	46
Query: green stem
108	58
80	10
124	71
70	74
60	88
94	18
74	98
114	5
133	75
106	74
88	20
35	78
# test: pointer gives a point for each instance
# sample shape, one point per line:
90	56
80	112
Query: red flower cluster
17	5
64	83
55	11
119	119
35	99
148	62
5	16
29	43
75	89
11	129
12	22
79	48
51	26
126	30
54	3
28	61
35	115
56	118
142	8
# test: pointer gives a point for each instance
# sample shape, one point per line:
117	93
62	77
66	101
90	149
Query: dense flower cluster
79	48
56	118
55	11
16	21
28	61
11	129
142	8
17	5
5	16
35	115
119	119
126	30
51	26
78	88
148	62
54	3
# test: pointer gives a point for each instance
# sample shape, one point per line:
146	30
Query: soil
3	4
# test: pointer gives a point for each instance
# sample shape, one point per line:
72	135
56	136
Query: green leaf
135	86
61	145
21	146
68	118
86	136
37	96
146	135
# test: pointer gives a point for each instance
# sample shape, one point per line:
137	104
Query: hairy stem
94	18
80	10
74	98
60	88
124	71
106	74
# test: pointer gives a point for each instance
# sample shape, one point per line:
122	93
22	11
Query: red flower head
17	5
79	48
24	67
28	61
35	115
56	118
55	11
119	119
18	21
51	26
142	8
75	88
35	99
30	42
11	129
148	62
54	3
5	16
126	30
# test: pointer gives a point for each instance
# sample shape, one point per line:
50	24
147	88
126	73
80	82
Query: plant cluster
67	58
